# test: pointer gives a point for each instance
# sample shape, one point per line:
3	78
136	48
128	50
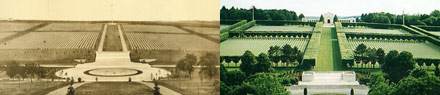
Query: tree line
286	54
260	14
399	75
255	76
207	63
29	70
432	19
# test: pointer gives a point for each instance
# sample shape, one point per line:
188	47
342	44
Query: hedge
269	33
284	22
245	26
425	32
233	26
429	28
224	33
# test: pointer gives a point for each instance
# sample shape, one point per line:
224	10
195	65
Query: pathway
328	55
163	90
63	90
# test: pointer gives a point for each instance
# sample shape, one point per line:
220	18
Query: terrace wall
311	53
224	33
165	57
344	47
382	26
284	22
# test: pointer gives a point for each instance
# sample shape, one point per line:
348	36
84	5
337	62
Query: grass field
152	29
371	30
53	40
204	30
113	88
151	41
236	47
11	26
72	27
418	49
15	87
113	40
329	56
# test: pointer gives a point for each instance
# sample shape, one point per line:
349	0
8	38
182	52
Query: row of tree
285	54
396	64
260	14
29	70
419	19
207	63
364	55
419	82
254	77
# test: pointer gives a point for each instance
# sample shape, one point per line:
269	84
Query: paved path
328	55
63	90
163	90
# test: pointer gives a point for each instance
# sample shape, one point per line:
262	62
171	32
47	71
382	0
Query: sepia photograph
329	47
109	47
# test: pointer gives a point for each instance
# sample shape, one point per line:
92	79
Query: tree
398	66
247	62
420	85
335	19
223	72
266	84
435	13
234	77
301	16
12	69
294	16
187	63
378	85
288	53
275	53
208	63
263	63
224	89
321	19
418	72
380	56
437	71
358	20
31	70
360	51
372	57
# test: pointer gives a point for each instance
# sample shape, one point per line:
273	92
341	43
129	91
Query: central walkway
328	56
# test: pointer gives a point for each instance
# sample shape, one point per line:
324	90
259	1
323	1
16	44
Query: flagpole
403	17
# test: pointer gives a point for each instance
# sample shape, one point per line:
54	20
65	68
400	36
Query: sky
339	7
126	10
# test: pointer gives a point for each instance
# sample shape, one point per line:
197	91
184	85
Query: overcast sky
340	7
135	10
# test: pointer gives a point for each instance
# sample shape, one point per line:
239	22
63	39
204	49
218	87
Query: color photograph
329	47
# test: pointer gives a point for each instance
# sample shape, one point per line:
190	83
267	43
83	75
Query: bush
289	81
364	80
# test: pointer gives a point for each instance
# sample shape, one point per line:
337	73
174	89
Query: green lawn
15	87
328	56
114	88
